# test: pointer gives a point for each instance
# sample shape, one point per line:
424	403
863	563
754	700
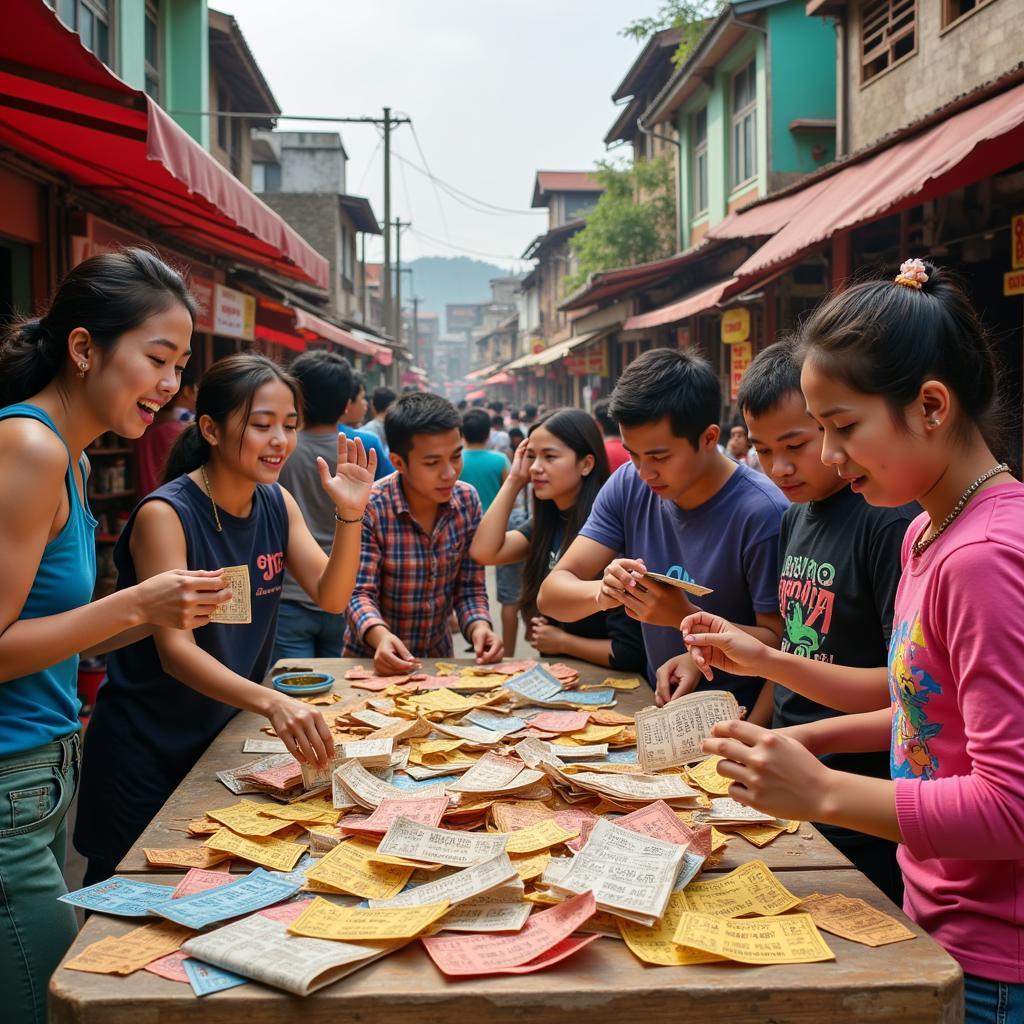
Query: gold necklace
209	491
923	545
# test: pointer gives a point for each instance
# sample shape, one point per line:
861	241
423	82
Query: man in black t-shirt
839	566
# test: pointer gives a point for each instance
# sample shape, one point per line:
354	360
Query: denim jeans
992	1002
36	790
307	633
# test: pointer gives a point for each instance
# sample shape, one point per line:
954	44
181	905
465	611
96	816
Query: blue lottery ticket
495	722
255	891
297	875
124	897
403	781
688	870
206	979
536	684
626	755
585	697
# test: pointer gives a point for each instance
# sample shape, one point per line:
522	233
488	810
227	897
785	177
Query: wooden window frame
884	26
699	169
738	118
951	20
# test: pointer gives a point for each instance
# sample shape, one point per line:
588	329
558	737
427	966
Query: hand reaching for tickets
302	729
772	772
392	658
676	678
489	649
349	488
546	638
713	642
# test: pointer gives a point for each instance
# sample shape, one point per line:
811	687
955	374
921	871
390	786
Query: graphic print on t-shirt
911	688
806	601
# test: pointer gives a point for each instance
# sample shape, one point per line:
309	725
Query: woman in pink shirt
900	377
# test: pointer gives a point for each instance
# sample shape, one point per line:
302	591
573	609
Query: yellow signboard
1013	283
735	325
1017	241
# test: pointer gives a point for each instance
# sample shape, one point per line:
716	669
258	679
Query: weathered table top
201	791
905	982
899	983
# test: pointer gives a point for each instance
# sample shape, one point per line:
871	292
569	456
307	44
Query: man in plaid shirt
415	567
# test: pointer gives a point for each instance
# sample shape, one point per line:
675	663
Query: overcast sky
496	91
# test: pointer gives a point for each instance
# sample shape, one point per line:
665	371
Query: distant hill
439	280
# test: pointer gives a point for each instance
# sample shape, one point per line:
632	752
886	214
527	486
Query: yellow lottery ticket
131	952
789	939
276	854
184	857
853	919
655	945
323	920
239	609
246	819
346	868
530	865
706	776
750	889
540	836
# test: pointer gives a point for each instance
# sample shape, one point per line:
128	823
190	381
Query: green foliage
691	17
633	222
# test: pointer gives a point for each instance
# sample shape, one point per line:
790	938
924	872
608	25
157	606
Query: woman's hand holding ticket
714	642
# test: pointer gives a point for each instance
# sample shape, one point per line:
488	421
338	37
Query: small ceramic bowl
303	684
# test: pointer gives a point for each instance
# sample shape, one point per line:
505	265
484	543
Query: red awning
501	378
276	337
965	148
472	396
61	107
329	332
689	305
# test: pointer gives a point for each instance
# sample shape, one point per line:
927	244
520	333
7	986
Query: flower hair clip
912	274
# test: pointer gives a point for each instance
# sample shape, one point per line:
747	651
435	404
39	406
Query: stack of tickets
493	813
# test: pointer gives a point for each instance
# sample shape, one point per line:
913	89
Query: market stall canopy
308	322
689	305
957	151
63	108
501	378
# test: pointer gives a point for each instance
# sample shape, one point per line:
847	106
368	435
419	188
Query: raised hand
349	488
519	474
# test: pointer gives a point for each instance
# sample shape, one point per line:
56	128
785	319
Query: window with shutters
888	35
744	126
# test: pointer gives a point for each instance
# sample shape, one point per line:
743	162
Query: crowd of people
863	545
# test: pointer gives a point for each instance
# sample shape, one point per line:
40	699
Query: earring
934	421
82	367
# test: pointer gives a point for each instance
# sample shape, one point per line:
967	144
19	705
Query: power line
437	193
471	252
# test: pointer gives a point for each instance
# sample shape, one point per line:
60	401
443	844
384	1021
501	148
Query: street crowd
863	543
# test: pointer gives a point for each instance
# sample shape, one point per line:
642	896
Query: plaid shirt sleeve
364	606
471	603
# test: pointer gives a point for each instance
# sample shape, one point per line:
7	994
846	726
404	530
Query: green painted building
160	46
753	107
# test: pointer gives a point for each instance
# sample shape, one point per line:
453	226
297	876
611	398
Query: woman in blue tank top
107	354
167	696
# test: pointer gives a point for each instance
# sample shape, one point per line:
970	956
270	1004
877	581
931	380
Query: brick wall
946	64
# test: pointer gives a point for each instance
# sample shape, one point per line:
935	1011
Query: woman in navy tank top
106	355
168	695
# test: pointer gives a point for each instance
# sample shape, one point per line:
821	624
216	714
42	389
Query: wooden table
900	983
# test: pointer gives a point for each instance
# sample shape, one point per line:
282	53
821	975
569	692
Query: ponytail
29	360
106	295
191	450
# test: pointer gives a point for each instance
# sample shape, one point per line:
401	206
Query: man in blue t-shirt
352	417
683	509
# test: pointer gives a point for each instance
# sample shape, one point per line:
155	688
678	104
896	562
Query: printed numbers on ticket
239	609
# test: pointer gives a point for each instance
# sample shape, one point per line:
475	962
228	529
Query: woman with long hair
564	458
106	356
168	696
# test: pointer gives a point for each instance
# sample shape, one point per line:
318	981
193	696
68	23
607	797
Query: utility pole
399	224
385	283
416	330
